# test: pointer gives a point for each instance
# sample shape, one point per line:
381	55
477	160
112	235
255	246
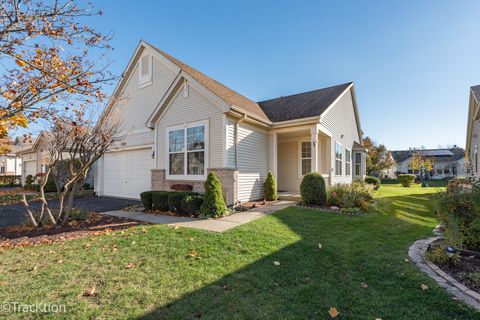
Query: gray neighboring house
178	124
473	130
446	162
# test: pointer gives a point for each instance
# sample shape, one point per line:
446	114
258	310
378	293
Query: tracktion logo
19	307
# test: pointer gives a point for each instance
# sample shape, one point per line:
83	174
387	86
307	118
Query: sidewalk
216	225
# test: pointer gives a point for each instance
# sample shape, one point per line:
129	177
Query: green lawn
183	274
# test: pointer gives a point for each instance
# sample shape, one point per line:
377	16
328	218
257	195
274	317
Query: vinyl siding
252	162
475	142
195	107
139	103
340	120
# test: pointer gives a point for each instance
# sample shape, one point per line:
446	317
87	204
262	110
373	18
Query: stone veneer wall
228	178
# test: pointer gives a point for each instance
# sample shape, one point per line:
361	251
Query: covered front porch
297	151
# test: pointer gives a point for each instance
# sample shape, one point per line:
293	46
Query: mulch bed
96	224
463	271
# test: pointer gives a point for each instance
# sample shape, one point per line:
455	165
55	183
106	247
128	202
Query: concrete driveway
15	214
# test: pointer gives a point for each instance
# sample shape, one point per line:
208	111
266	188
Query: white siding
340	120
139	103
230	140
252	162
195	107
475	142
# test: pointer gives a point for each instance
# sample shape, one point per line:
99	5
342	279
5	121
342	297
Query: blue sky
412	61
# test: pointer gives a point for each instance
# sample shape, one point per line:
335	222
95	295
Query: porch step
289	196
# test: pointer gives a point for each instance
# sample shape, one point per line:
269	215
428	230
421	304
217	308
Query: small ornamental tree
422	164
270	187
312	189
213	204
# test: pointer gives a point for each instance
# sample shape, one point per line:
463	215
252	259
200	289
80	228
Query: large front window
338	159
186	151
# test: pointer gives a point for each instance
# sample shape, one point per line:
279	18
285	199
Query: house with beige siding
473	131
177	125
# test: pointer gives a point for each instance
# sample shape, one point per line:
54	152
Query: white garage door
126	174
30	168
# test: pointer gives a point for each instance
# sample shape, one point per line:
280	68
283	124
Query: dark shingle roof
302	105
453	154
476	92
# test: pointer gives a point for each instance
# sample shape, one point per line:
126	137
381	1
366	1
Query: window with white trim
2	169
306	157
338	159
348	162
186	151
358	164
145	70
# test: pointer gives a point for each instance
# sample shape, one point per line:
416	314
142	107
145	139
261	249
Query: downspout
237	139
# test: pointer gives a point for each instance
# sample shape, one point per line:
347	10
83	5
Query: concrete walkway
216	225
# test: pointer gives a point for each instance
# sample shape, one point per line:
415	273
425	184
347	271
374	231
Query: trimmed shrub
160	200
191	203
174	201
28	181
373	181
312	189
406	180
270	187
50	186
146	198
213	204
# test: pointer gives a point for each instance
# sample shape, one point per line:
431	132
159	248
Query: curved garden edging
417	253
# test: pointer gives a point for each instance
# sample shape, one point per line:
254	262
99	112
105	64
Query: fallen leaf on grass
333	312
193	254
363	285
424	286
177	227
319	246
60	261
90	292
276	263
190	239
130	266
406	260
86	246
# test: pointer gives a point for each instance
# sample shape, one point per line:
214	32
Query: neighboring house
35	159
446	162
11	163
178	124
473	130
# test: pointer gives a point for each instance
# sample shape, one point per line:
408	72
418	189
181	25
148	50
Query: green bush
270	187
406	180
174	201
458	212
28	181
160	200
355	195
191	203
373	181
213	204
50	186
312	189
146	198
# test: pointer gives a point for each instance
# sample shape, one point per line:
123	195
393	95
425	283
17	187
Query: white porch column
273	153
314	141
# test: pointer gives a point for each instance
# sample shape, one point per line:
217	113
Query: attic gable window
145	70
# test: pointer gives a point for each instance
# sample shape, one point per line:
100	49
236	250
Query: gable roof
226	94
453	154
302	105
476	92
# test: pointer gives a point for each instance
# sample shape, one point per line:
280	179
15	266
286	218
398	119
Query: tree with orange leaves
47	60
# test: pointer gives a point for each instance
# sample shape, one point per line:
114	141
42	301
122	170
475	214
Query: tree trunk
29	211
